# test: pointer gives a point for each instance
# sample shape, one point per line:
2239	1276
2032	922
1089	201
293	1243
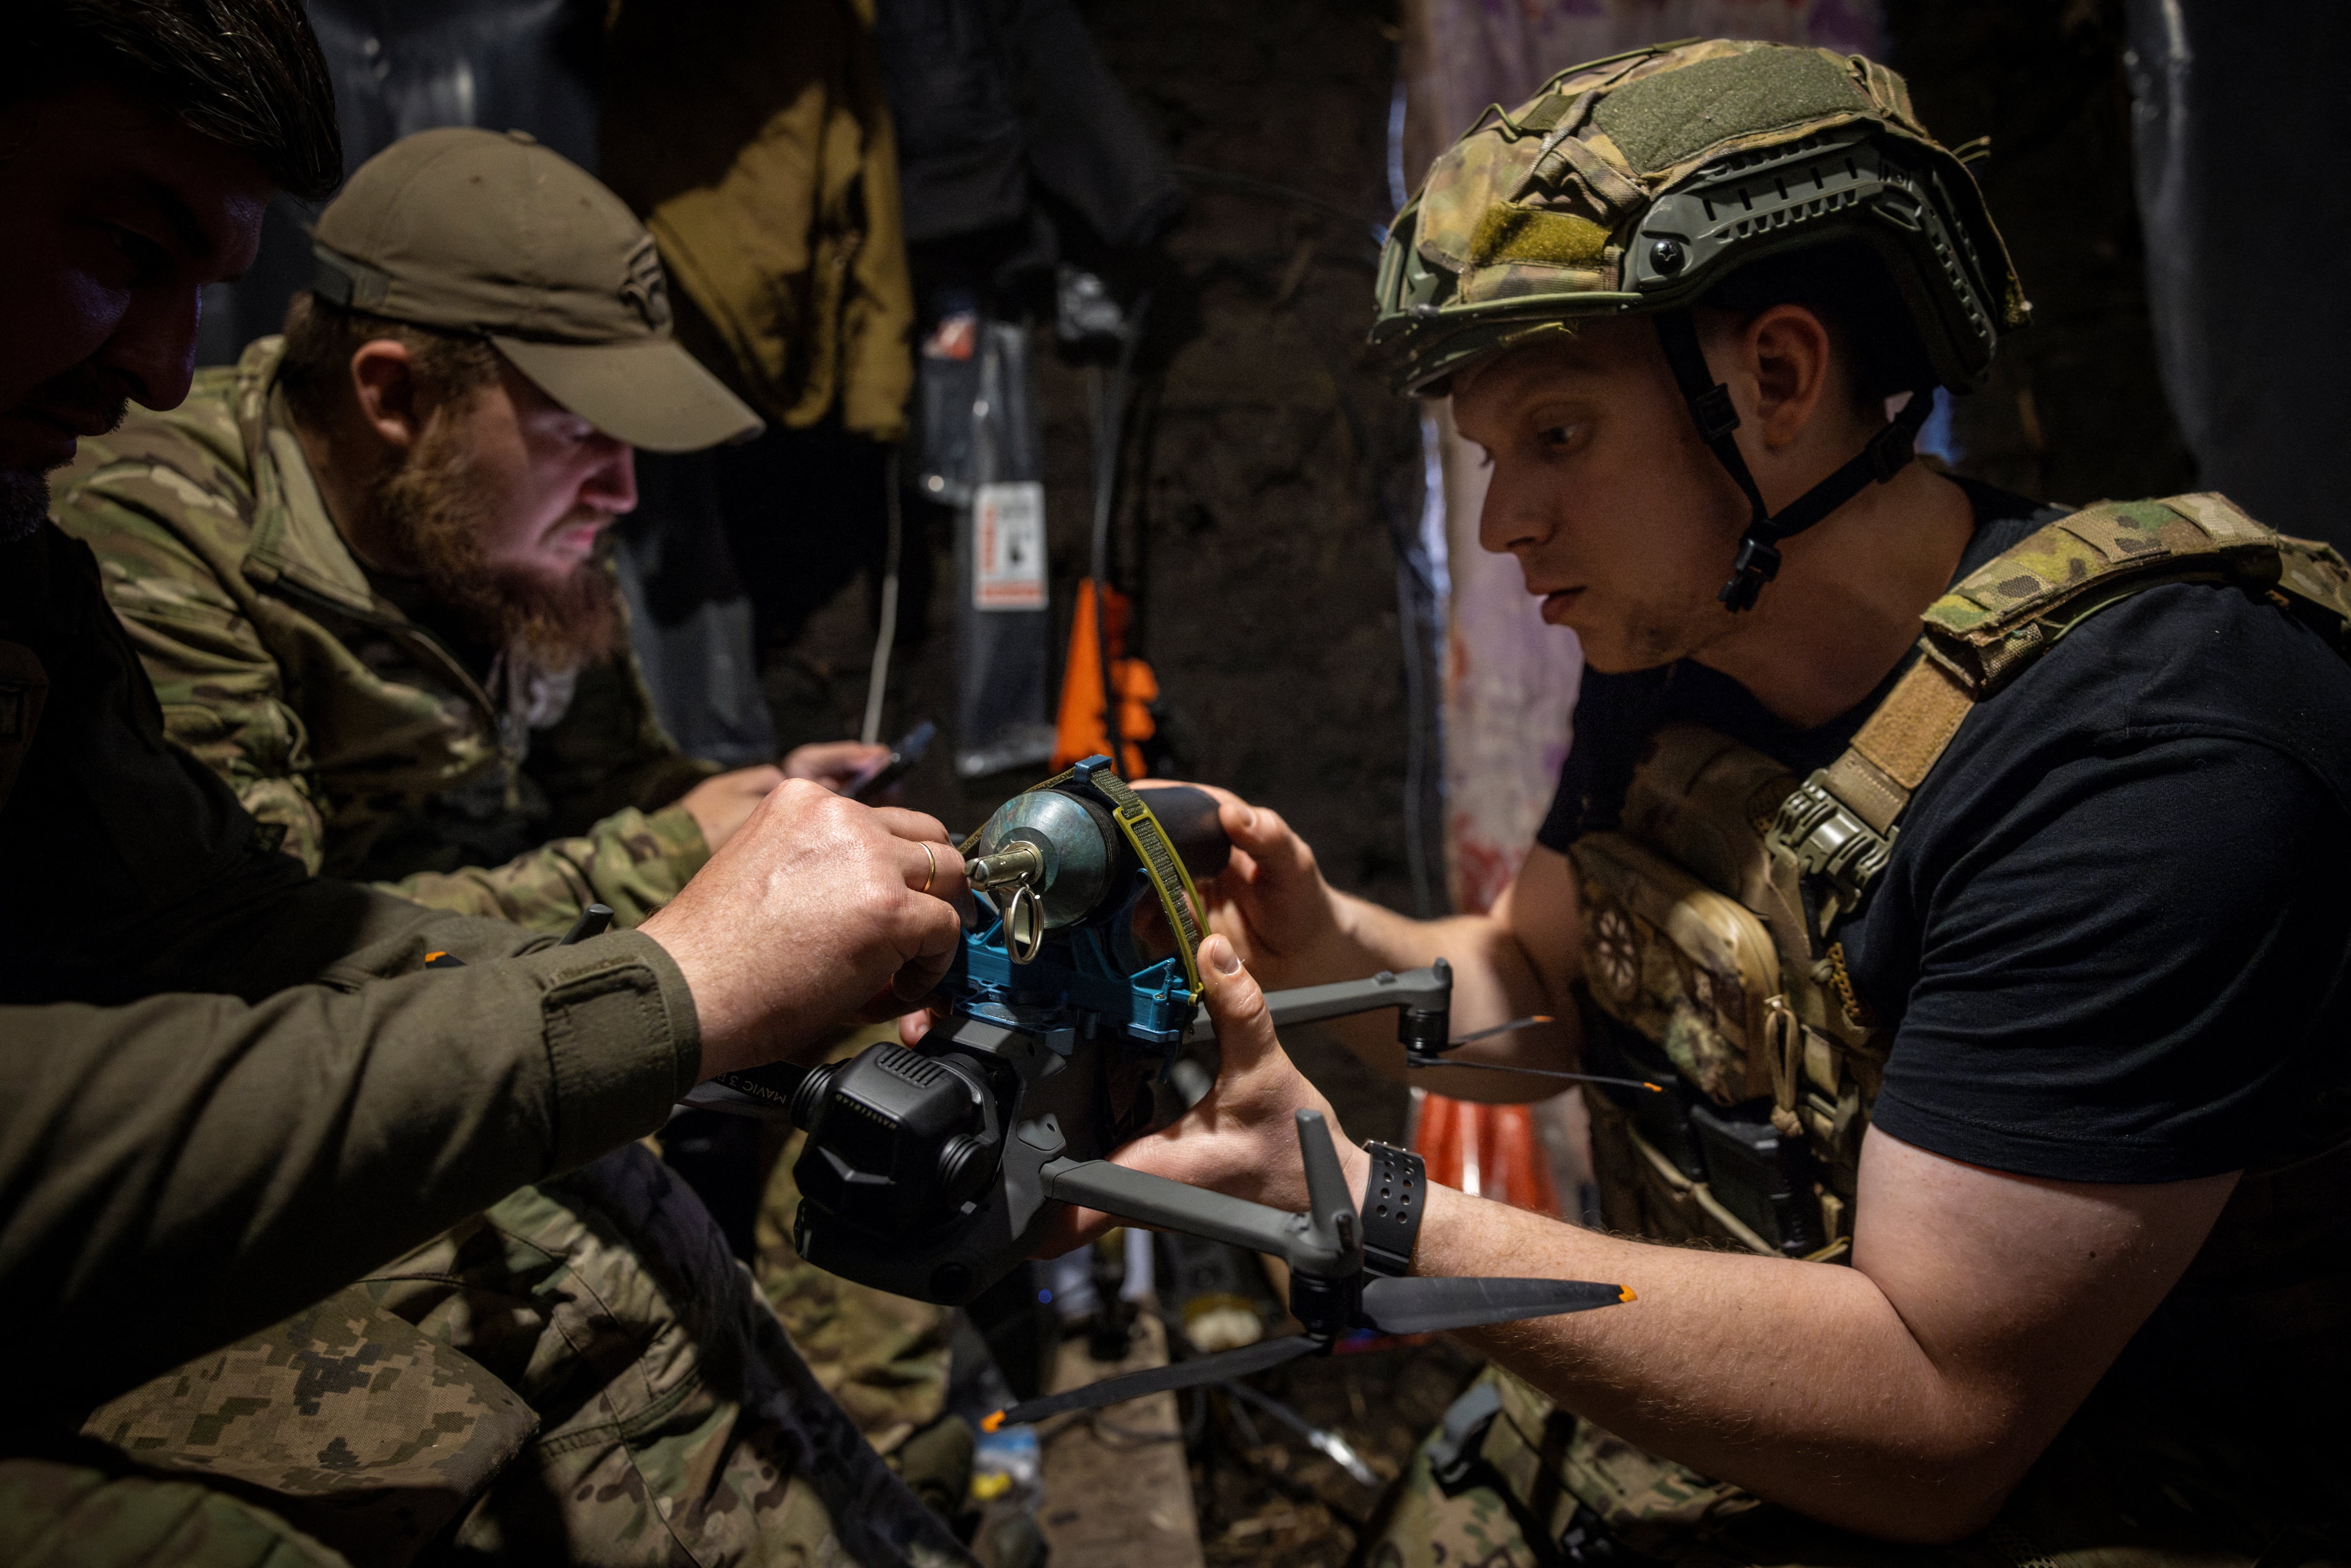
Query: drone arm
1331	1208
1156	1200
1422	994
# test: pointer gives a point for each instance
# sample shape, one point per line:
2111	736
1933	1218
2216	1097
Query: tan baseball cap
494	233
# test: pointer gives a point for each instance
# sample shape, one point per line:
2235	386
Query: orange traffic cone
1082	729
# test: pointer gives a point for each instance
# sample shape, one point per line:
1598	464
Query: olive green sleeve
633	862
187	1169
223	693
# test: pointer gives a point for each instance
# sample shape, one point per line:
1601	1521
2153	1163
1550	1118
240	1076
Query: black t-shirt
2113	937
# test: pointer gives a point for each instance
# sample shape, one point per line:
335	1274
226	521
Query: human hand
818	910
722	804
1243	1137
837	765
1270	899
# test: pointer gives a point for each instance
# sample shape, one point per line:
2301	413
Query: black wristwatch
1393	1200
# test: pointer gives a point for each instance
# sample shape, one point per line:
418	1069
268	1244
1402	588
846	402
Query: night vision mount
1072	1026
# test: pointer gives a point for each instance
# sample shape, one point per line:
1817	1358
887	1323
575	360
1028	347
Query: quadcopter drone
1072	1027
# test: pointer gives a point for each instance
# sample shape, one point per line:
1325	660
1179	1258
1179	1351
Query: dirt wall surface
1252	526
2074	411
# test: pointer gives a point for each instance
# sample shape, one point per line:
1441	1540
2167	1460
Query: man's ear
1797	373
1794	360
383	378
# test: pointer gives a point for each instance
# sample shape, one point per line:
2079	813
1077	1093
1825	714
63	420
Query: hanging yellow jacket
755	142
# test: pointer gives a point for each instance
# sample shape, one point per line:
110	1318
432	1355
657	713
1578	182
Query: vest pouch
1613	1051
1762	1177
1643	1193
1681	966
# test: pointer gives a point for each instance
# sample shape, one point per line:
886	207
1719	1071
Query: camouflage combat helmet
1633	185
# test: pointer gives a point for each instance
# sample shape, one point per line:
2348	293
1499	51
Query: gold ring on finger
932	862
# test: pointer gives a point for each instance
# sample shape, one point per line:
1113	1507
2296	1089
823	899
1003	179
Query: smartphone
908	751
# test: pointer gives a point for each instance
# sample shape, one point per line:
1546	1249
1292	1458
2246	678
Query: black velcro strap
1393	1200
338	278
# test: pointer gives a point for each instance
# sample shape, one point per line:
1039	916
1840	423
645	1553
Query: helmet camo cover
1634	185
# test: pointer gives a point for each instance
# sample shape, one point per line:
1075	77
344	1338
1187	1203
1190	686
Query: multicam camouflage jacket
342	723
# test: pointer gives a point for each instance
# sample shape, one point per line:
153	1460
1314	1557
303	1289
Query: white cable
879	683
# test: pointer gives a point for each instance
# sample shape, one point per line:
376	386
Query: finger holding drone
1242	1138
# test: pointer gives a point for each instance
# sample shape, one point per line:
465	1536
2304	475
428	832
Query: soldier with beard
364	567
234	1091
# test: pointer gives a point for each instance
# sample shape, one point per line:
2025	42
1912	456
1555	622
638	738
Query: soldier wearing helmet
1960	875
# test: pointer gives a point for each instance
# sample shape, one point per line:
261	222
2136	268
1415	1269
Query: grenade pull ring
1018	867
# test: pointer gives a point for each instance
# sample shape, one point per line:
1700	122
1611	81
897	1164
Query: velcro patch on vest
1909	730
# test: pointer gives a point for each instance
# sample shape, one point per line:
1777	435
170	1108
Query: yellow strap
1169	877
1165	867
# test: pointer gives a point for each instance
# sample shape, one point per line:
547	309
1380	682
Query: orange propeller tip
1624	1293
1655	1088
991	1421
1542	1018
430	956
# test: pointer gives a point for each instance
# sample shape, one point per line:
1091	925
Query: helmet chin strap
1758	562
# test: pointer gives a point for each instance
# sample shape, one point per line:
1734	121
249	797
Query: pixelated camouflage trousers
581	1375
1538	1488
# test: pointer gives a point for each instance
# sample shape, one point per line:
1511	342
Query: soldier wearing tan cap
408	556
364	564
235	1090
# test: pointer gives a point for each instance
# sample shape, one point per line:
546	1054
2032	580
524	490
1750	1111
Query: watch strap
1393	1199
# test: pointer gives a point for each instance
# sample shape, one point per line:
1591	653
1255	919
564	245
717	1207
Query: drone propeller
1425	1058
1419	1305
1249	1359
1390	1306
1475	1035
1415	1061
1411	1305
